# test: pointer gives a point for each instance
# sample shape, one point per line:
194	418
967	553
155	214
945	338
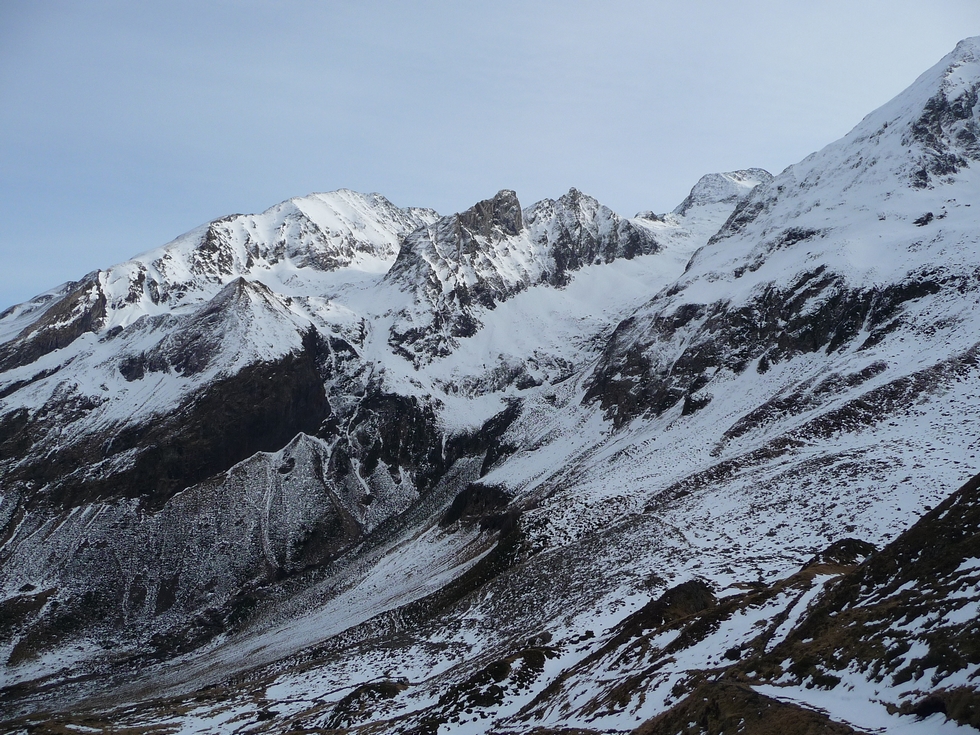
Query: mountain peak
927	133
469	262
948	127
966	51
492	218
574	195
727	187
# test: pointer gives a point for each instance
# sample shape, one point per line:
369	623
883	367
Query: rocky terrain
346	467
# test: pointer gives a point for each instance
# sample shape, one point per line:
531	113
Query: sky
123	125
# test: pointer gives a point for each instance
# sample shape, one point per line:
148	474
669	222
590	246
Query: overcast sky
125	124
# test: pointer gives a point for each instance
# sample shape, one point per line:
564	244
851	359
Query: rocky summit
348	467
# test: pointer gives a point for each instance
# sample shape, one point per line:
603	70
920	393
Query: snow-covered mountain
472	261
344	466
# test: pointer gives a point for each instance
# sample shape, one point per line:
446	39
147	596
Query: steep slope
903	625
553	494
161	374
738	480
118	380
474	260
862	239
232	417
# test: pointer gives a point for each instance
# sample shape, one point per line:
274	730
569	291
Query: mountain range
343	466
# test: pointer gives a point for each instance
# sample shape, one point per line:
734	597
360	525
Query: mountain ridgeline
343	466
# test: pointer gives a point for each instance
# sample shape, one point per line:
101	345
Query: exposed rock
82	310
467	263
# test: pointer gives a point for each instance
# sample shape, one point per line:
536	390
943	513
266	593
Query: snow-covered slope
248	368
551	469
470	262
722	188
834	255
86	372
240	290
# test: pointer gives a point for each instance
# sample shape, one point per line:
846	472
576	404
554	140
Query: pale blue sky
125	124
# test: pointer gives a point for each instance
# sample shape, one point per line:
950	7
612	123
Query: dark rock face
359	703
723	707
80	311
845	552
491	218
476	502
214	256
632	378
456	241
258	409
396	434
949	132
682	601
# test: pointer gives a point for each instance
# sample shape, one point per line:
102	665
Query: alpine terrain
348	467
